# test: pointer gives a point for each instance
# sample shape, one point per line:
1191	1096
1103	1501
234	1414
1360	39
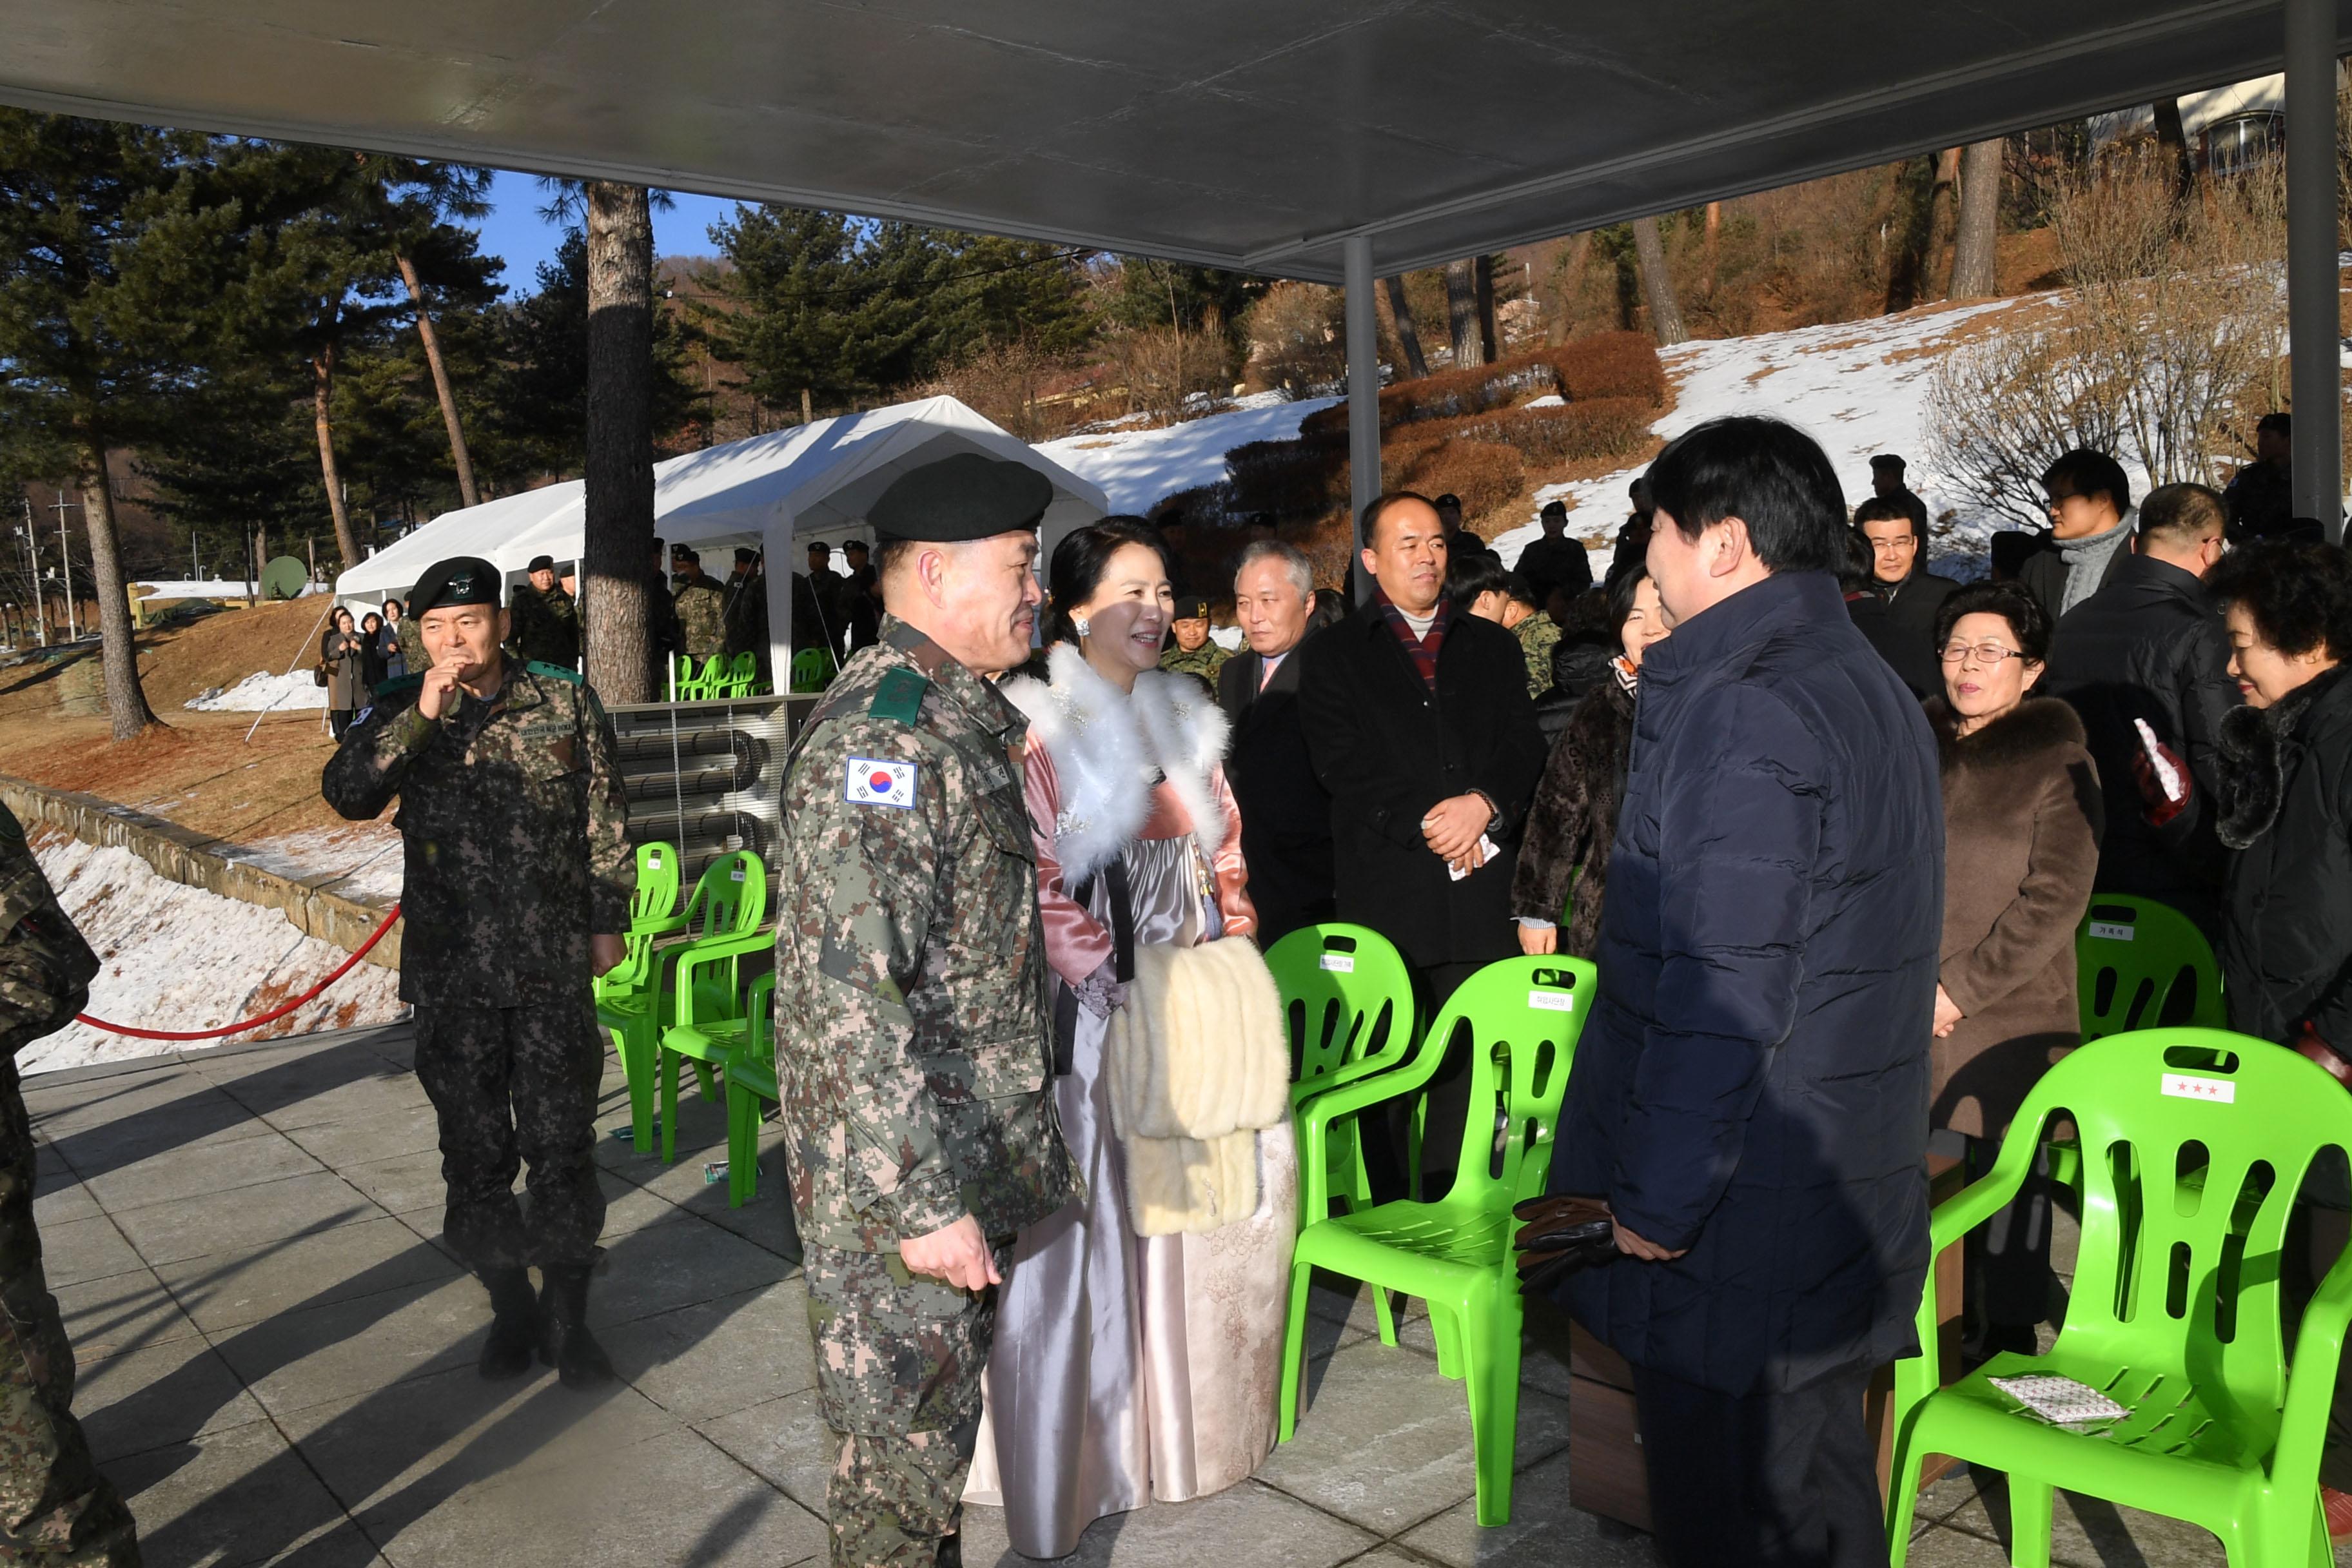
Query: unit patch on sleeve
867	782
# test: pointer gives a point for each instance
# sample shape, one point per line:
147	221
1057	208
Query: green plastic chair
2141	964
751	1083
2198	1142
1523	1015
742	670
712	1043
627	1004
812	669
729	899
1346	999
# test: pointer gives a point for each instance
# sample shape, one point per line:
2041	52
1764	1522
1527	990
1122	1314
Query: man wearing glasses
2090	531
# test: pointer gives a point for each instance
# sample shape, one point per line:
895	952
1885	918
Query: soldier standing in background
915	1056
56	1510
519	875
701	606
1194	652
546	622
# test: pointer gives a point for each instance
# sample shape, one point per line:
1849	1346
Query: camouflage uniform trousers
56	1510
898	1365
510	1085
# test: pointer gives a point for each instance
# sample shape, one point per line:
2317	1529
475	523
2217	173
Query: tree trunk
1657	285
322	392
1481	272
1570	273
2173	136
1407	335
1974	244
1714	233
1461	312
617	554
462	459
126	701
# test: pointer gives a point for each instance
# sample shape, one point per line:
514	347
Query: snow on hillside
180	958
1138	467
262	692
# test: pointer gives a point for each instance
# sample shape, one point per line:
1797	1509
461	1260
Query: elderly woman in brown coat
2022	824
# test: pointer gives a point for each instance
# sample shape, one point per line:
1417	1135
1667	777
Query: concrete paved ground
275	1362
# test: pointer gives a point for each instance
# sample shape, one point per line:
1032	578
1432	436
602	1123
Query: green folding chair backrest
741	671
730	898
656	898
1346	996
1522	1017
2140	965
812	670
2194	1144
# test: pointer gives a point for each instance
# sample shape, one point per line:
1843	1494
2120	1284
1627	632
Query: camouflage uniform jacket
412	644
1203	661
914	1042
1537	635
702	616
516	829
46	967
544	628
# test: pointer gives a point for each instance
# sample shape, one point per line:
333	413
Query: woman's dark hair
1080	560
1861	562
342	613
2012	602
371	615
1472	573
1768	474
395	604
2299	596
1621	601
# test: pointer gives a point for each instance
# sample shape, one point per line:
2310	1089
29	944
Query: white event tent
812	482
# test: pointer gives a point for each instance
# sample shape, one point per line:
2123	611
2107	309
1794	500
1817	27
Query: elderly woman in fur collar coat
1127	1368
2021	826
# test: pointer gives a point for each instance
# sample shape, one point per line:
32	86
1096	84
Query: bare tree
1657	284
322	420
1975	242
1461	312
126	699
1482	273
618	527
1408	335
2173	137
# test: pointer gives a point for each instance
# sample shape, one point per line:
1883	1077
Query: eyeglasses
1989	654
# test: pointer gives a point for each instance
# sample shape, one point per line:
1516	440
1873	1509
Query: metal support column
2314	330
1363	388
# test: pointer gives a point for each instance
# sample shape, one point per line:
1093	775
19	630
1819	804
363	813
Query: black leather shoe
514	1332
565	1343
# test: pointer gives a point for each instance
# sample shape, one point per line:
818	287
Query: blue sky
515	233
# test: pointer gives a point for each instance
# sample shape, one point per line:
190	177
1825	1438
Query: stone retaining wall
199	860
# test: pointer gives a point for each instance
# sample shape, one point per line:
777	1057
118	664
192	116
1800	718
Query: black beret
542	563
460	580
1191	607
962	498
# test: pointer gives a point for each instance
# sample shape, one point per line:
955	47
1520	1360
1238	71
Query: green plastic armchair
1523	1016
628	1005
751	1083
712	1043
812	669
2196	1143
2141	964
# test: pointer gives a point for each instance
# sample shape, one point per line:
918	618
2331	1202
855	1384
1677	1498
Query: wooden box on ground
1605	1474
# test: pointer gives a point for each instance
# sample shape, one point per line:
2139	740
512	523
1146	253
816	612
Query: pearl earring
1079	626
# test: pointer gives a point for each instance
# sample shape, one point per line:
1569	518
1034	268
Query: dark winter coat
347	687
2285	805
1906	637
2045	570
1752	1084
1573	819
1286	813
1388	749
1547	563
2148	646
2021	814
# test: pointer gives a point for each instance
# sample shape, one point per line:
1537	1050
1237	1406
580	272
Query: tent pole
2313	329
776	572
1363	391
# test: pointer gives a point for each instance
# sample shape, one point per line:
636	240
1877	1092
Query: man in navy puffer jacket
1751	1094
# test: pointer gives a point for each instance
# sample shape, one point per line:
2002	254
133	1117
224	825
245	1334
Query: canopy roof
1230	132
815	481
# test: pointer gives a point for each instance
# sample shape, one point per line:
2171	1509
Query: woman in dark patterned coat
1574	814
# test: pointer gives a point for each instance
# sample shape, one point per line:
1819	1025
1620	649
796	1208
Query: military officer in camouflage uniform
543	621
914	1048
1538	633
701	606
55	1507
1194	652
519	874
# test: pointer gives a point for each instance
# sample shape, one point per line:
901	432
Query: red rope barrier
270	1017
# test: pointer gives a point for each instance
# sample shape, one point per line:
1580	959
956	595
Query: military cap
460	580
962	498
1448	499
1888	460
1191	607
542	563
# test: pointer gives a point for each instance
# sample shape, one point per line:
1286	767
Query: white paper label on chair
1552	1001
2107	931
1339	963
736	875
2188	1086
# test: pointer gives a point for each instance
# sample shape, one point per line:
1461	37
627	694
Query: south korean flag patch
867	781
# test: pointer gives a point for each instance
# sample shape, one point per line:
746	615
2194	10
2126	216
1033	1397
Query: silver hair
1294	563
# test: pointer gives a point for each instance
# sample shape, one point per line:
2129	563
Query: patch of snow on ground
1138	467
180	958
262	692
1857	387
365	856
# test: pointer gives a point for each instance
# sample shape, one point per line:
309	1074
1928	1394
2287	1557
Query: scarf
1627	673
1422	651
2086	560
2258	748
